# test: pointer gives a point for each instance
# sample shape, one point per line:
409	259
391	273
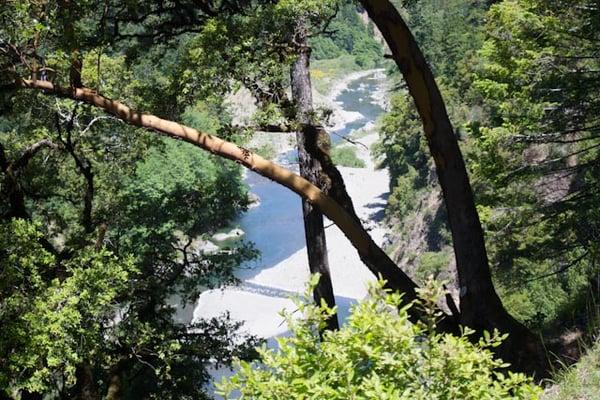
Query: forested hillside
518	93
126	129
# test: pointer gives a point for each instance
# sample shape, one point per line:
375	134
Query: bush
368	52
266	151
377	354
404	195
324	48
579	381
432	263
345	156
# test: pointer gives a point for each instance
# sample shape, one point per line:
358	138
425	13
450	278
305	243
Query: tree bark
85	388
11	170
115	388
480	306
85	168
310	169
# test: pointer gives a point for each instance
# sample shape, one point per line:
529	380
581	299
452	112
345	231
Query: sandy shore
283	142
264	293
339	116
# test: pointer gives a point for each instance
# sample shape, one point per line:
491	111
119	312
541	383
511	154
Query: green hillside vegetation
326	72
345	156
96	240
511	103
580	381
534	168
348	34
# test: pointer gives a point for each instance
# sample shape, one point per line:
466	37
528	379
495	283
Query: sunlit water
275	226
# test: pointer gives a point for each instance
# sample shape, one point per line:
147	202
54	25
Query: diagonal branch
480	306
84	166
348	224
30	152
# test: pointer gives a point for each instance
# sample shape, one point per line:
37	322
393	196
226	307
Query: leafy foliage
348	34
109	237
431	263
345	156
579	381
377	354
519	93
526	160
52	325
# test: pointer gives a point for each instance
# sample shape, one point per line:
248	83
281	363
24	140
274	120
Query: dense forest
512	81
132	141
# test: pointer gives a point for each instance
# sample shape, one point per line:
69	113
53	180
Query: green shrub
404	195
348	34
432	263
377	354
580	381
345	156
368	52
324	48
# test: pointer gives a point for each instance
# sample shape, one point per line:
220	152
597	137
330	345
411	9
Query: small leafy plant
346	156
377	354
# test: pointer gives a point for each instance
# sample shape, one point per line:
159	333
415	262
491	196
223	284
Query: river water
275	226
276	229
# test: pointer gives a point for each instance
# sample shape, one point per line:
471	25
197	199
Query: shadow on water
275	226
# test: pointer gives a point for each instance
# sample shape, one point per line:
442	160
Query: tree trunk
11	170
116	382
85	388
310	169
115	387
480	306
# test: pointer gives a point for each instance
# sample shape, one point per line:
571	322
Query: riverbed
276	229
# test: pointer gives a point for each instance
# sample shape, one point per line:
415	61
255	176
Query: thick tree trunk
116	382
85	388
480	306
11	170
115	387
310	169
85	168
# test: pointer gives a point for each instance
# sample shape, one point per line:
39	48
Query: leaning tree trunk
85	386
480	306
311	170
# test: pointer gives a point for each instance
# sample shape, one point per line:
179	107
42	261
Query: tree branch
30	152
348	224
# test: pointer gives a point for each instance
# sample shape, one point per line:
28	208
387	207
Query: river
275	227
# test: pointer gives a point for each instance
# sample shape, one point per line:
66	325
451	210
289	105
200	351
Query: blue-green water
275	226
